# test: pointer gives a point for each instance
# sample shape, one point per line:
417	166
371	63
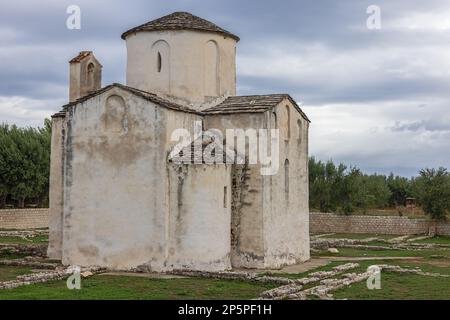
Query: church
118	199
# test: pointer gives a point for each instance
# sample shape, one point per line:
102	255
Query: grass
437	240
10	273
359	236
351	252
35	229
396	286
19	240
139	288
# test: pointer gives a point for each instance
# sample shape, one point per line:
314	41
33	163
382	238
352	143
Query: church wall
184	71
56	189
200	217
247	219
120	221
286	200
271	228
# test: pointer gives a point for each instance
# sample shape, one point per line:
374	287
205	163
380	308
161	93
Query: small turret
85	75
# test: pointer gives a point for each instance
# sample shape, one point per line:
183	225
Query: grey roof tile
180	21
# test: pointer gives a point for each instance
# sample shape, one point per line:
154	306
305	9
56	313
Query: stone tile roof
196	156
231	105
143	94
180	21
251	104
81	56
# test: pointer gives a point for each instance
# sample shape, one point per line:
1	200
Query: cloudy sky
378	99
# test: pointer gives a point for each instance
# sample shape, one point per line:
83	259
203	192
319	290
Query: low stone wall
327	223
24	218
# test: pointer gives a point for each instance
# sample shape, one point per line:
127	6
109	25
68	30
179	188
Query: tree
401	188
24	163
432	190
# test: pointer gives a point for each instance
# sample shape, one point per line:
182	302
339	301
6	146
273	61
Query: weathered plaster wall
200	217
270	224
56	189
285	194
120	221
247	219
188	68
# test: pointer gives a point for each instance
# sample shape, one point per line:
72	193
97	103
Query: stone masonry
24	218
327	222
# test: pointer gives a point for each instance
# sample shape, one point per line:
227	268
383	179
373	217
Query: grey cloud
351	65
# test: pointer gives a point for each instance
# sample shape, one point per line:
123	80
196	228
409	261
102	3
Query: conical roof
180	21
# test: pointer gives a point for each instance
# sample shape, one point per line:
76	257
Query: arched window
160	67
90	74
288	123
286	178
212	63
299	128
116	120
225	197
274	120
159	62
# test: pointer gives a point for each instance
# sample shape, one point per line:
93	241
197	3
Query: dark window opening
286	178
225	197
159	66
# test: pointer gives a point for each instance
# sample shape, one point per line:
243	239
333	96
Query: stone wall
327	222
24	218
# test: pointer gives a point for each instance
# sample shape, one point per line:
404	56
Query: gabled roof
143	94
180	21
231	105
81	56
251	104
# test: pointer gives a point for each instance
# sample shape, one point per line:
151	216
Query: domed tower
182	56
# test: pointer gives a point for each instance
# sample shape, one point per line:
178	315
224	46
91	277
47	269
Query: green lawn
396	286
18	240
10	273
359	236
129	287
351	252
437	240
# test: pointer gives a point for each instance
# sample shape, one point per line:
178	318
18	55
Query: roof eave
138	29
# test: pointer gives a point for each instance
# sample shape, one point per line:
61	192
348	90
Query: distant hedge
337	188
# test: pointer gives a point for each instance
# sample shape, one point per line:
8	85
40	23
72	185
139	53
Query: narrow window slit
225	197
159	62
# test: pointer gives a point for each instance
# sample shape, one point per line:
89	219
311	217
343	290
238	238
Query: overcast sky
378	99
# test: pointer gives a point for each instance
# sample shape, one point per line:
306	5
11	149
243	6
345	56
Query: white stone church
118	200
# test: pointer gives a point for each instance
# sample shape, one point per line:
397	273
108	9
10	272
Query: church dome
180	21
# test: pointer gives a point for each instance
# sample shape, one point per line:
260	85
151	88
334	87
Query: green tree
401	188
432	190
24	163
